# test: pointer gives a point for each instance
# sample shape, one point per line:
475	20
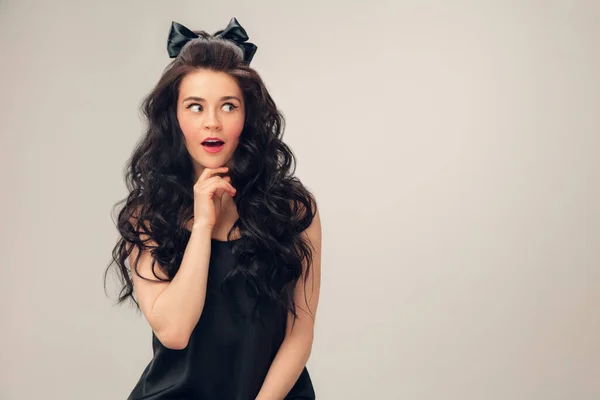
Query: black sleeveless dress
228	354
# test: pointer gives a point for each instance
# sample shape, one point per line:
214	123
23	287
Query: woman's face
210	105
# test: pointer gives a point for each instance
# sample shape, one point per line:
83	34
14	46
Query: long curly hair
274	207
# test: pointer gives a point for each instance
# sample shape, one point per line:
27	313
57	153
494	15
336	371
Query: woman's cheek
237	131
187	127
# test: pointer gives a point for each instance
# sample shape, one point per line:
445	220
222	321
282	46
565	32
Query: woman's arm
174	308
297	345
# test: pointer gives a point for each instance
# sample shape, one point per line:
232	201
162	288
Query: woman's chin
213	163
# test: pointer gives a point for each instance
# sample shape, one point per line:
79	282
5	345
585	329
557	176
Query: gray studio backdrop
453	148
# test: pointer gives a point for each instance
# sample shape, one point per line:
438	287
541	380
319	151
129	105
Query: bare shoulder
313	231
144	264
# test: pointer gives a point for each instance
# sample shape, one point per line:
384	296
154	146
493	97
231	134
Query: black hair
273	205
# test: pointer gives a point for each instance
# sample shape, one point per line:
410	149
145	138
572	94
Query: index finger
208	172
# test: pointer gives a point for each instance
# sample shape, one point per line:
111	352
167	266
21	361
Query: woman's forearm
177	309
286	368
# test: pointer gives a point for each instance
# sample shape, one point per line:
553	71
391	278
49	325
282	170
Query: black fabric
228	354
179	35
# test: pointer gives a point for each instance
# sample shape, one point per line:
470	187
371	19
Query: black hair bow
179	35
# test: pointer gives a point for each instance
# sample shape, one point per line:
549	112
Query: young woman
220	245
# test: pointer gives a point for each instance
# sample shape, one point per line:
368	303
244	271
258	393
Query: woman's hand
208	193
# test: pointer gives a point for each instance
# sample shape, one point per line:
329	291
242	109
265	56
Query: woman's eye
233	107
197	107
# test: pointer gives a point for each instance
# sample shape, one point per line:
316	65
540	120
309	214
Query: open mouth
213	143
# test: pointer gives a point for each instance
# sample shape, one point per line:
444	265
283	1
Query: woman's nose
211	121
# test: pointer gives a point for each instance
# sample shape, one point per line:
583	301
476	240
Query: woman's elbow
173	339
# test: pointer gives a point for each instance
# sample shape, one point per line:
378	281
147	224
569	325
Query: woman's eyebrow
196	98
